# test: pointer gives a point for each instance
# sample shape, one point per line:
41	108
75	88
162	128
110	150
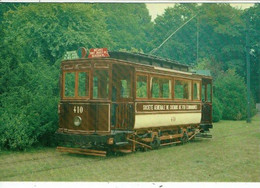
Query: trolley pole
248	73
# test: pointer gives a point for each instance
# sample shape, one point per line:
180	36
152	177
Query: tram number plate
78	109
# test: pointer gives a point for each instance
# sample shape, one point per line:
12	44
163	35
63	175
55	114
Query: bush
217	110
27	113
33	38
230	89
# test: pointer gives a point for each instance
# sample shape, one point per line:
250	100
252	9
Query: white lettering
174	107
191	107
159	107
147	107
78	109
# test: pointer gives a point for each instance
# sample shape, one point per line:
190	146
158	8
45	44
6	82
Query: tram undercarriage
129	141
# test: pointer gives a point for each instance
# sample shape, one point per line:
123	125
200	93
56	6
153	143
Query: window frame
210	92
147	85
205	83
162	77
76	96
77	78
191	93
200	87
92	83
130	98
63	85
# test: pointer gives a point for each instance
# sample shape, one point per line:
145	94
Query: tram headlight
77	121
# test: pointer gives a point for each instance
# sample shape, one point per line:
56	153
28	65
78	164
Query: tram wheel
155	144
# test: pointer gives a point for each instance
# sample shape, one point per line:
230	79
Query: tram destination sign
98	52
70	55
155	107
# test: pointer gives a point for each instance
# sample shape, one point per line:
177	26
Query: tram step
82	151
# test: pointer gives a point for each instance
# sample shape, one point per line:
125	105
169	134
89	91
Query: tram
124	102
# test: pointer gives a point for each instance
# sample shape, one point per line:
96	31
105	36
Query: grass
232	155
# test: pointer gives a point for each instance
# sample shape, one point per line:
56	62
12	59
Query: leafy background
34	37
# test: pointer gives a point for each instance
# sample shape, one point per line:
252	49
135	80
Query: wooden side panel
95	117
91	118
102	119
124	116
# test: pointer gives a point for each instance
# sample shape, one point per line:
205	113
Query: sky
158	8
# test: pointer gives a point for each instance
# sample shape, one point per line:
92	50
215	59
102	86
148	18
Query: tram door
122	109
206	96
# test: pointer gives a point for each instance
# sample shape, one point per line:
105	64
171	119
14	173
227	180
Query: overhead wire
157	48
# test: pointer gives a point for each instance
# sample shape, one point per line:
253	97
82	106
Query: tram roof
149	60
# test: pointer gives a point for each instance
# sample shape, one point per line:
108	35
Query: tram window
166	88
70	84
182	89
155	88
203	93
125	88
196	90
100	84
141	87
83	84
208	92
161	88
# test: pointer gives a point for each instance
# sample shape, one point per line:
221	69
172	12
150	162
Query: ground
232	155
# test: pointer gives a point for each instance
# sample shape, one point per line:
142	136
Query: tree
219	27
49	30
35	37
181	46
230	90
129	25
252	15
27	109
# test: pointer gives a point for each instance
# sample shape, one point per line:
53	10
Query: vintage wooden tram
130	101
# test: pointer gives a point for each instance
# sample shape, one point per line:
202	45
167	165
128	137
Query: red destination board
98	52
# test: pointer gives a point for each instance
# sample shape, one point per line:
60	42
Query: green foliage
253	16
132	50
210	64
217	110
181	45
49	30
129	25
230	89
27	110
222	41
35	37
221	38
219	27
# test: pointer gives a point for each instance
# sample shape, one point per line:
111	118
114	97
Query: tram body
127	102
